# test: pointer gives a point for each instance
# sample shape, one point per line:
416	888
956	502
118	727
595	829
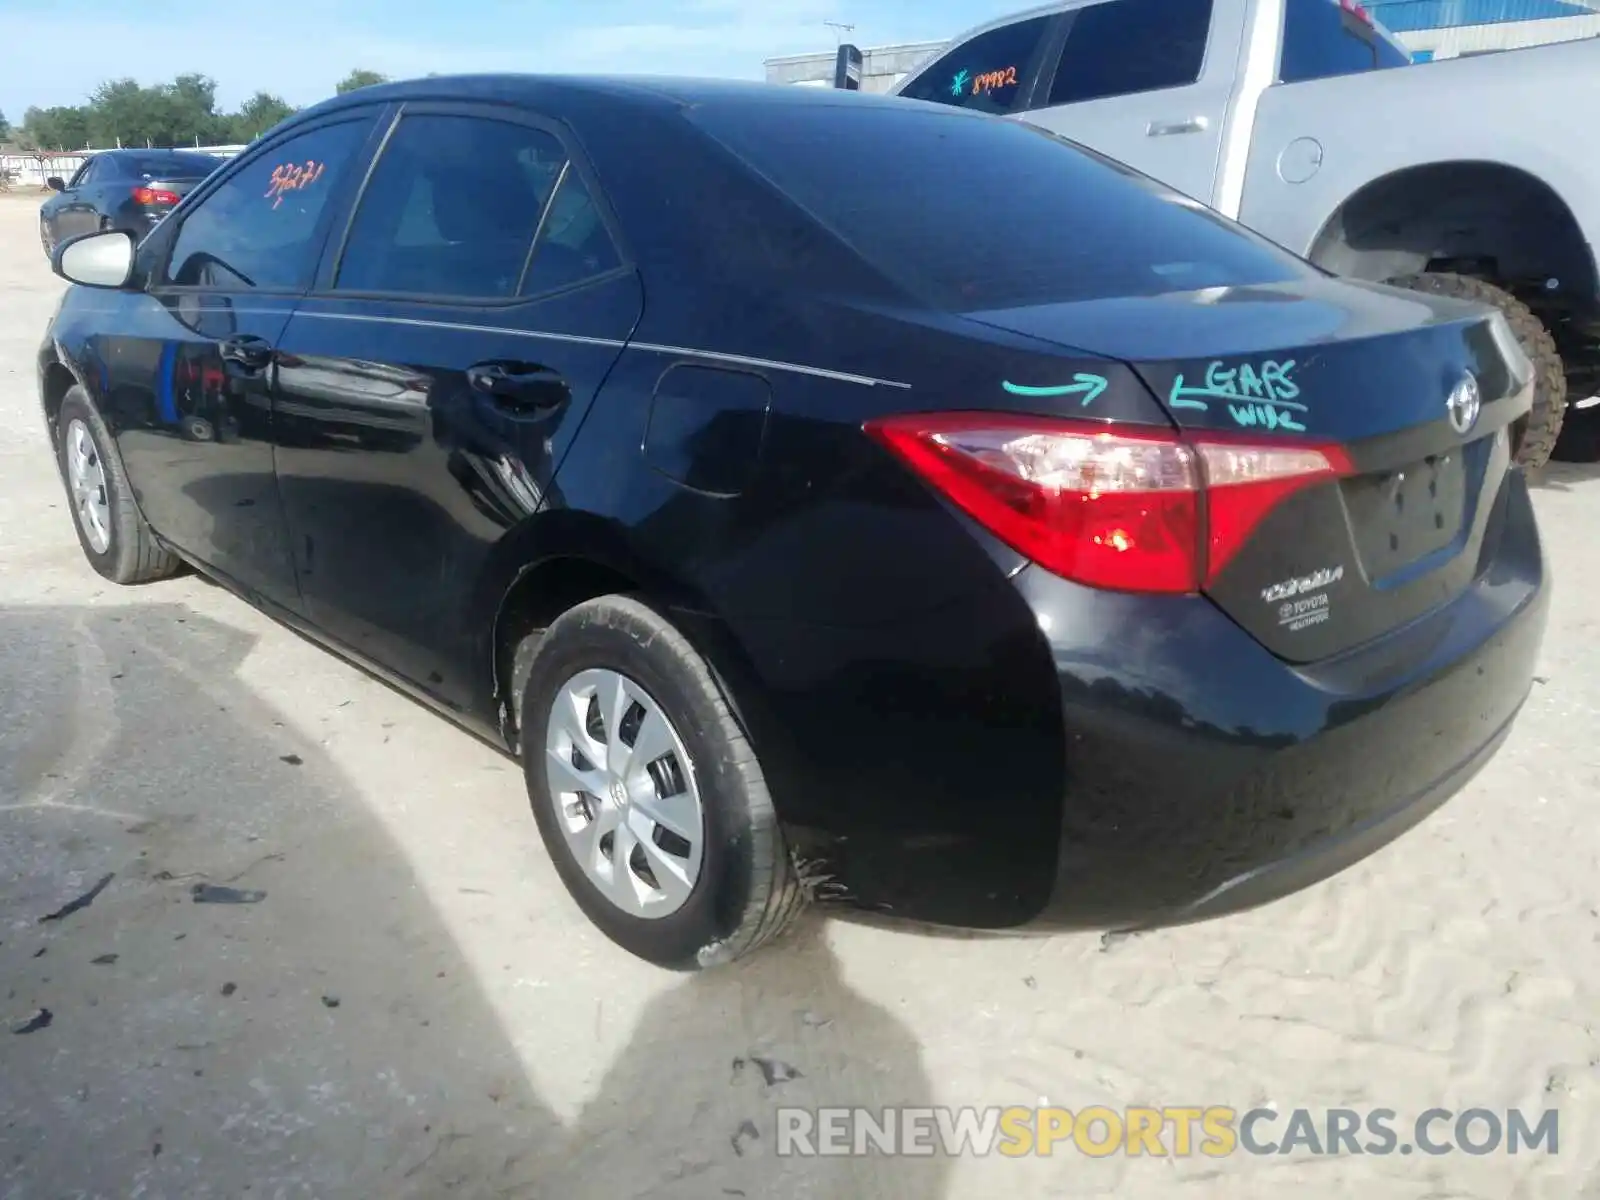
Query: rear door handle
521	389
246	353
1168	128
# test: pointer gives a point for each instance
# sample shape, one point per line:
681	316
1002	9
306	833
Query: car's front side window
986	72
259	228
84	174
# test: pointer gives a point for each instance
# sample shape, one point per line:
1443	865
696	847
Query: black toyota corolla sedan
120	189
824	494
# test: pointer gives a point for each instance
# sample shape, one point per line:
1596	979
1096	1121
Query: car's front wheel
112	531
647	791
45	239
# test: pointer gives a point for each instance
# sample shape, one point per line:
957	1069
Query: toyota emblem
1463	404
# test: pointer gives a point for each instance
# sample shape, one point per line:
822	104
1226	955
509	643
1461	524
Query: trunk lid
1369	368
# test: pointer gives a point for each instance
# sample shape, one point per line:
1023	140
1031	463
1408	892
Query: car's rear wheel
113	533
647	792
1534	436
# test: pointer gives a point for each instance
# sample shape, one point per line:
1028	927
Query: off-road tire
1534	437
748	891
134	555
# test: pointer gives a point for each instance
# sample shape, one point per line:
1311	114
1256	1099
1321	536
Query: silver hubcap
625	793
86	475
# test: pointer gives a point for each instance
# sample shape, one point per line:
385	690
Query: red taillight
153	196
1144	511
1356	11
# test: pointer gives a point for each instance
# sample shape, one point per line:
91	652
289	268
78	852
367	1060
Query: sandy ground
416	1009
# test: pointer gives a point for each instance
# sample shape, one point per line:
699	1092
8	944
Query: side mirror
100	260
56	184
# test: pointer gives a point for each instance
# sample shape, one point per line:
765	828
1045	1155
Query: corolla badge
1463	404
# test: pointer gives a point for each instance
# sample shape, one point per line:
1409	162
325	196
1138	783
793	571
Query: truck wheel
647	792
1534	437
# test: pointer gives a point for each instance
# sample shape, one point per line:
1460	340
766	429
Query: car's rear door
430	384
189	364
1133	80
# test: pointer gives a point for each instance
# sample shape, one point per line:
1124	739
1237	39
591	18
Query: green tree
359	78
57	128
179	113
5	128
257	115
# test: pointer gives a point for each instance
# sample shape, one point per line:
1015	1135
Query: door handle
246	353
1168	128
521	389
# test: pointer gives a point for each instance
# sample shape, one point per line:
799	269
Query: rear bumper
1284	876
1245	779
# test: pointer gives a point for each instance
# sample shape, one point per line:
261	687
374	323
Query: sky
56	52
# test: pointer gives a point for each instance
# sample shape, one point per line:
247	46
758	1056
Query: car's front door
430	384
191	362
1134	82
73	212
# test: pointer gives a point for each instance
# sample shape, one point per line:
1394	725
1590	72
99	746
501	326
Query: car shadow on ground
304	1023
697	1104
308	1030
1566	476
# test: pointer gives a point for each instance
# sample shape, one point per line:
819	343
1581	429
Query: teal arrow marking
1090	386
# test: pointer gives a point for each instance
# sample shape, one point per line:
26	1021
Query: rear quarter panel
1498	108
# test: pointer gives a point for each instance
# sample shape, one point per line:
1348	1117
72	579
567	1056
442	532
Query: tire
44	238
746	890
122	547
1533	437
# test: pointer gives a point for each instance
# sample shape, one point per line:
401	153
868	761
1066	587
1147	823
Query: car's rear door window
973	214
1322	39
986	72
454	205
1122	47
261	228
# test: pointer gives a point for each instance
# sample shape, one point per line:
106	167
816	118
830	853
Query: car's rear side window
1321	39
985	72
259	228
1121	47
454	204
975	213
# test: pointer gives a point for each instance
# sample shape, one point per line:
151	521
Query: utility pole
839	30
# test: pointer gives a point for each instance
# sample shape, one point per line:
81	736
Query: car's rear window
168	166
1321	40
975	212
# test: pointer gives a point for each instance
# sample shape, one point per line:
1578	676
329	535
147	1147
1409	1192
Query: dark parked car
824	493
120	189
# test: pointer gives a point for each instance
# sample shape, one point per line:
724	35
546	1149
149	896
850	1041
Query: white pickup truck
1467	177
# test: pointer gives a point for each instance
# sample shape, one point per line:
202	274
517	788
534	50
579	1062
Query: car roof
128	152
561	95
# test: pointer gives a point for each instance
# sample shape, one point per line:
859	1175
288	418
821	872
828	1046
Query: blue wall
1407	16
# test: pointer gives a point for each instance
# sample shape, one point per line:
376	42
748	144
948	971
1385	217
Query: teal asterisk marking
959	84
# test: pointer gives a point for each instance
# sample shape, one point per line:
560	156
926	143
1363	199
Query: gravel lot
416	1009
